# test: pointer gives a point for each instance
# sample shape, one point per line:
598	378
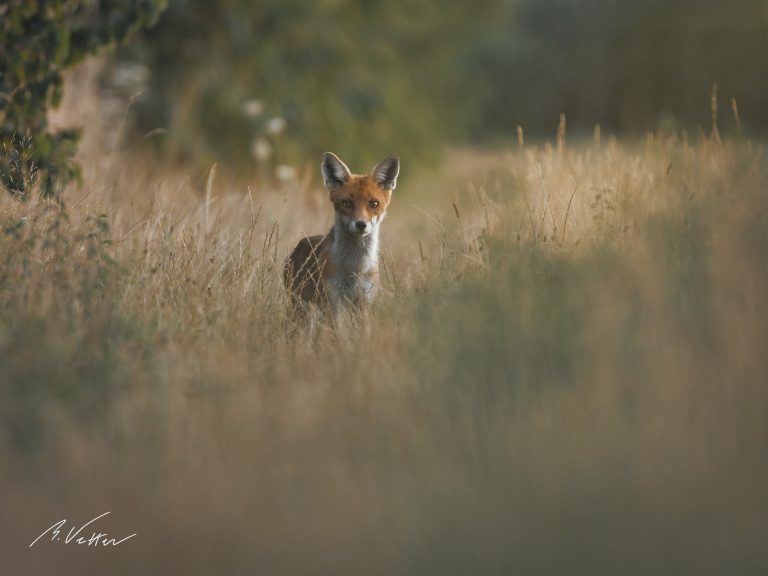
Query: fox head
360	201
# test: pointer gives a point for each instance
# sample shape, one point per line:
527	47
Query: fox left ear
385	172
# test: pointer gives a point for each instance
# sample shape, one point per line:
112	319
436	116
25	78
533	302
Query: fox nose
361	224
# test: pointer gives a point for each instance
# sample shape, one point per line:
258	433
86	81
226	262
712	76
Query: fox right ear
335	172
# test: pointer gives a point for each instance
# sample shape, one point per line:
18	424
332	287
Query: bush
39	41
280	81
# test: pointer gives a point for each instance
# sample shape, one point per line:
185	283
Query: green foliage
360	78
632	66
366	78
38	41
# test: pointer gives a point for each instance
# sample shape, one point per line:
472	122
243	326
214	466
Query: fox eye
347	203
373	203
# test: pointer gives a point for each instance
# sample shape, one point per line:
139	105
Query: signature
73	536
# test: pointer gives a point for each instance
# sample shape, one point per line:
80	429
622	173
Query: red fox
342	267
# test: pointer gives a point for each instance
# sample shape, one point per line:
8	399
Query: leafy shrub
38	41
279	81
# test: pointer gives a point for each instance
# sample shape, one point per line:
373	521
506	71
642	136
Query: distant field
566	372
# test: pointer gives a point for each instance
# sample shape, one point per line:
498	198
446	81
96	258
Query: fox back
342	266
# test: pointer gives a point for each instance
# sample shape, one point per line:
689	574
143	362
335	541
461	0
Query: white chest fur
354	260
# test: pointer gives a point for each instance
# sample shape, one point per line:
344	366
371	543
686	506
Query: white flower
261	149
252	108
285	172
275	125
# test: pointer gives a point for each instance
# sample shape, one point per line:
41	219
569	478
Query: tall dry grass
565	373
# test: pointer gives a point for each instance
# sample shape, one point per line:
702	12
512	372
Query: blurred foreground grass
566	373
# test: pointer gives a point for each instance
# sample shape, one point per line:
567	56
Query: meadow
565	371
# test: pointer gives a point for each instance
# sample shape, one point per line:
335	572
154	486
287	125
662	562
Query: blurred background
277	82
564	371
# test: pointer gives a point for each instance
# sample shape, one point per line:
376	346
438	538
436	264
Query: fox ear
385	172
335	172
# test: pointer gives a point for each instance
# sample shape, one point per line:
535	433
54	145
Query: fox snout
359	226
